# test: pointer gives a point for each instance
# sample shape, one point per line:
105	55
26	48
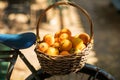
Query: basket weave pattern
63	64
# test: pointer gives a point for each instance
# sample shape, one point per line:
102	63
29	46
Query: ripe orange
64	36
65	45
52	51
65	30
56	45
77	51
48	38
85	37
76	42
76	36
64	53
80	46
43	46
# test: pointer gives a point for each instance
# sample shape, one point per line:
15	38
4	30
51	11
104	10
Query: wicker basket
63	64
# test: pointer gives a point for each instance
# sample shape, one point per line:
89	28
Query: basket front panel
63	64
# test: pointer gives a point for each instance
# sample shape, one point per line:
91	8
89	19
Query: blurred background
17	16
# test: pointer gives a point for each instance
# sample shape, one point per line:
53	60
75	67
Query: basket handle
65	3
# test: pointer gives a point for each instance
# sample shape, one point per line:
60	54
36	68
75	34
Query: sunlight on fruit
65	30
48	38
85	37
80	46
76	42
52	51
64	36
43	46
56	45
65	44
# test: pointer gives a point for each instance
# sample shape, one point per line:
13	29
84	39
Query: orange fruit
64	53
43	46
65	30
65	45
48	38
77	51
76	42
76	36
56	45
74	51
80	46
85	37
64	36
52	51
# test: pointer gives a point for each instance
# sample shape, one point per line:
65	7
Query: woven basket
63	64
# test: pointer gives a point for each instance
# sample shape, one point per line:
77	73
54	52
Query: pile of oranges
63	43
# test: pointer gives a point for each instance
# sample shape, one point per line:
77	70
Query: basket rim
64	3
80	54
36	50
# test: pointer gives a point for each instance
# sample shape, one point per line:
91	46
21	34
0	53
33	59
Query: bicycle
91	70
26	40
16	42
